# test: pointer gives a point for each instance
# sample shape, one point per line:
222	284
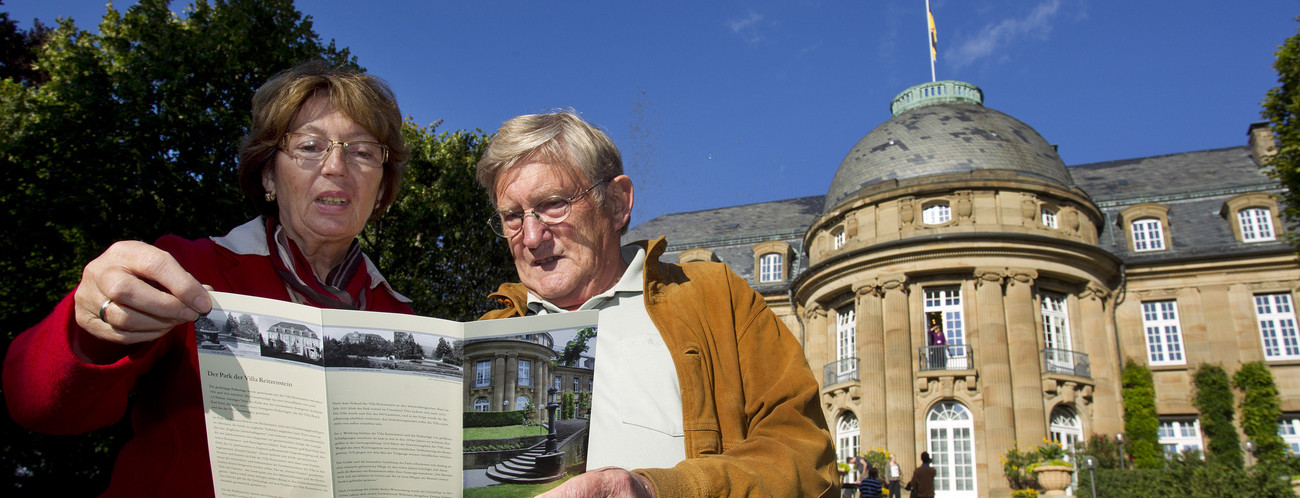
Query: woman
323	156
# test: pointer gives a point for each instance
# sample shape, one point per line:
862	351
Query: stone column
814	322
498	382
1026	370
994	366
512	379
1098	341
900	411
871	368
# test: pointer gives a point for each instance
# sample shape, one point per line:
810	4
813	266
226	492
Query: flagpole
930	35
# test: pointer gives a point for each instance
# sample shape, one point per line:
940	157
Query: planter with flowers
1044	467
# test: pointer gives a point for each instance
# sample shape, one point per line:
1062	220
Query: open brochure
302	401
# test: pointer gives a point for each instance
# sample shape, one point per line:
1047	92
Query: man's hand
607	481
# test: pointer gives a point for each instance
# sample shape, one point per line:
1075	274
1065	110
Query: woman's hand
135	292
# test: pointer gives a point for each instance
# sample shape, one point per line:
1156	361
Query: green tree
1282	110
1260	412
1214	402
129	133
18	50
1140	423
434	243
134	135
575	347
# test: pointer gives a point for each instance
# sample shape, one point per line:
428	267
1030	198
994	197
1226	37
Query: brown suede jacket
749	401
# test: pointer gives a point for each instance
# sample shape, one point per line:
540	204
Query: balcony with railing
835	372
1064	361
950	357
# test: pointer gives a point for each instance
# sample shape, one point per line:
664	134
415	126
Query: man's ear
620	200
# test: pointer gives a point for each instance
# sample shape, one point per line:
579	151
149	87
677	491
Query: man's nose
533	230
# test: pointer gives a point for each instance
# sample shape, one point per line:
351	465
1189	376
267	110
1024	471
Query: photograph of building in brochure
527	410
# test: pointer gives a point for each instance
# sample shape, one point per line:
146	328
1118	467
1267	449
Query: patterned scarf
343	288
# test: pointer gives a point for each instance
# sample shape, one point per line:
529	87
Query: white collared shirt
636	408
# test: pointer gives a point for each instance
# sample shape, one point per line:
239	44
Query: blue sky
721	103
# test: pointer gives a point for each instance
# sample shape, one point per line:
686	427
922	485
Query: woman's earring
270	197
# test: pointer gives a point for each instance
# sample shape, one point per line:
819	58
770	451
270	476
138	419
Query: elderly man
700	390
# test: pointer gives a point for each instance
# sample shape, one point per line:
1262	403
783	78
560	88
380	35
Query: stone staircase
530	467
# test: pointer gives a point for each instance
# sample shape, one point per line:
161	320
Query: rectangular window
1289	429
770	268
1179	435
483	373
947	301
1277	329
839	237
846	326
575	385
525	373
1147	235
1056	333
1256	224
557	384
1049	218
1164	337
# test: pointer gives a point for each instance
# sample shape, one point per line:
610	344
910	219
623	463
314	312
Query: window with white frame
1179	435
525	373
1256	224
846	330
557	384
480	404
947	301
1277	328
1049	217
770	266
1164	336
576	385
838	236
1056	333
483	373
847	434
1148	235
950	438
1289	429
936	213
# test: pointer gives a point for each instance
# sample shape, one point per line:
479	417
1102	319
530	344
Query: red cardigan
49	389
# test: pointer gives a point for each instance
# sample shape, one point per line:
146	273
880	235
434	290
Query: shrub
493	419
1214	401
1140	423
1260	411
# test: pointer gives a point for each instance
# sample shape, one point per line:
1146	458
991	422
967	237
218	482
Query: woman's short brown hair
365	99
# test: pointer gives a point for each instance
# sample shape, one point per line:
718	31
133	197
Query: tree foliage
134	135
575	347
1260	412
1141	426
1282	110
1214	402
434	243
18	50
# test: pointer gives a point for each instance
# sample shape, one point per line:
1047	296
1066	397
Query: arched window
770	267
936	213
480	404
1049	217
521	402
1256	224
1065	427
847	434
1148	235
950	429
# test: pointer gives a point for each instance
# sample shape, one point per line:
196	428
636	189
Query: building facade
509	373
1046	279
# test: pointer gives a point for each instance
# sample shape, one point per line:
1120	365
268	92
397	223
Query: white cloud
747	27
1036	25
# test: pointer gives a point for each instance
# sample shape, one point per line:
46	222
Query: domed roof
943	128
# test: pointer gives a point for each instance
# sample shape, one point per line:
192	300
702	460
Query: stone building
1047	280
508	373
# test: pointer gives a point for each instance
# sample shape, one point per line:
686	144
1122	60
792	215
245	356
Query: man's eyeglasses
549	211
310	147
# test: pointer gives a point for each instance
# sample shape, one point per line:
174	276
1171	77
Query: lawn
509	431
